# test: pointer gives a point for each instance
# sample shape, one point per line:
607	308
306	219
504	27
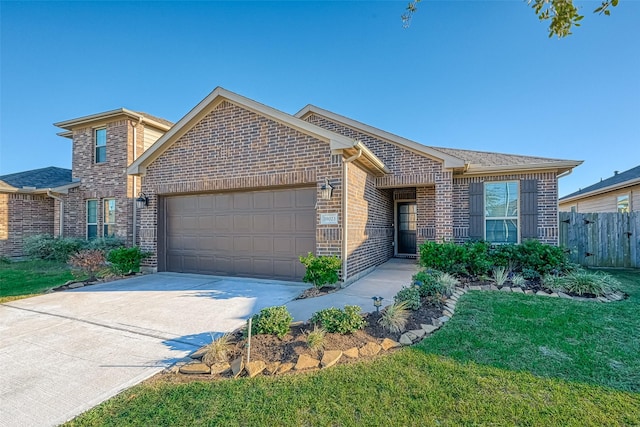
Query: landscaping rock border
330	357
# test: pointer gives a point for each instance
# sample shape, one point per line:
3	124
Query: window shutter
476	211
529	209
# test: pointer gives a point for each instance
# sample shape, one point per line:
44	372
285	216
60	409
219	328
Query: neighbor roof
49	177
617	181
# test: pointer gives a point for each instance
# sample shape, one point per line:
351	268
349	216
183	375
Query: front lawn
577	341
585	357
31	277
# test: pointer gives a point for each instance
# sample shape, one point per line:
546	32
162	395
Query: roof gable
100	118
619	180
337	142
466	161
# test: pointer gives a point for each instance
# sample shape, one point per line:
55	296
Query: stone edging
611	297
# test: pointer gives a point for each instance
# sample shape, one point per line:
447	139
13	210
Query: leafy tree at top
562	13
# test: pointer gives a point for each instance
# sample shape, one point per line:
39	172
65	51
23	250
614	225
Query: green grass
584	358
31	277
589	342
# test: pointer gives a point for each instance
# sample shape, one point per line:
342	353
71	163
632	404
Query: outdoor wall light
326	190
377	303
142	200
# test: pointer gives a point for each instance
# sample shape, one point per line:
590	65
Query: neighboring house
27	205
239	188
619	193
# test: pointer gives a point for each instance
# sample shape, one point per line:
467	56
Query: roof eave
559	167
85	120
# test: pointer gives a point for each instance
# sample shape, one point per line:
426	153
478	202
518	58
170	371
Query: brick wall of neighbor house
232	148
408	170
547	203
370	222
23	215
107	180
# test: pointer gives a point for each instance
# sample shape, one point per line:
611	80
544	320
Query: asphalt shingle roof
628	175
486	158
49	177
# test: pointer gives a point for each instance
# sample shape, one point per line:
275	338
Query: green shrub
126	260
394	317
105	244
553	282
476	258
272	321
518	280
321	270
339	321
43	246
584	282
87	263
446	256
434	283
410	295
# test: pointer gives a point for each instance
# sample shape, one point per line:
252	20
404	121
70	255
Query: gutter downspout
134	232
50	194
345	197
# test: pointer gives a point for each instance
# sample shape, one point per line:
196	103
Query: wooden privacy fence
601	239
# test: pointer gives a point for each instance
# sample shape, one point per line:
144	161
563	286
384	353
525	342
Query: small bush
321	270
585	282
105	244
334	320
518	280
500	275
272	321
44	246
530	274
88	263
217	351
553	282
410	295
316	338
126	260
447	283
476	258
395	317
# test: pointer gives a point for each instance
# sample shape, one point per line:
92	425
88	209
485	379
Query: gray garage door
250	233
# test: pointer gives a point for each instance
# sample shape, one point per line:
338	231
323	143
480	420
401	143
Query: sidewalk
384	281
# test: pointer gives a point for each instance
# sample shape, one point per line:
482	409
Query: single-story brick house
27	205
618	193
239	188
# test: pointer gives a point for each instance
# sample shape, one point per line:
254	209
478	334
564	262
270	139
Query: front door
407	217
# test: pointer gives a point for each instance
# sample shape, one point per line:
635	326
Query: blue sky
479	75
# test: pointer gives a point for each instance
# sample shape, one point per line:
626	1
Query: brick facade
23	215
233	148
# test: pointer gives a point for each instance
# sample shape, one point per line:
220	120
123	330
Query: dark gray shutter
476	211
529	209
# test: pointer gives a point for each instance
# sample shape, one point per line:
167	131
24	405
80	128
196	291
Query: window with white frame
501	203
92	219
623	203
100	136
109	218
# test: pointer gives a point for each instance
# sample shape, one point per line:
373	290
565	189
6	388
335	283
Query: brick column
444	208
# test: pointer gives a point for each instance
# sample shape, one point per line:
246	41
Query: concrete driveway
63	353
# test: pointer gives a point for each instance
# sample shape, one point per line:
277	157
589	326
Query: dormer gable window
100	137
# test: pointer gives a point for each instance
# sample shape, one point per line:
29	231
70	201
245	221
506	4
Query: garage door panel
252	233
263	244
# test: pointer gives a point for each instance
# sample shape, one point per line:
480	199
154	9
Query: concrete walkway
384	281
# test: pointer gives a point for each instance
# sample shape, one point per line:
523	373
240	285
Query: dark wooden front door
407	216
